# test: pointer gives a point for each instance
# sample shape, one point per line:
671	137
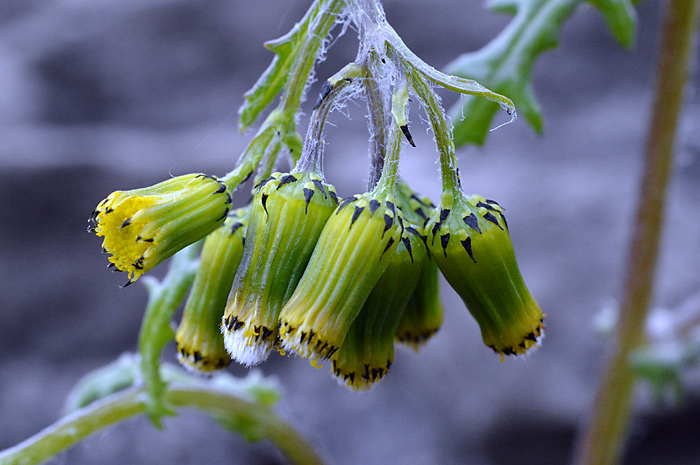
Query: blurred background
97	96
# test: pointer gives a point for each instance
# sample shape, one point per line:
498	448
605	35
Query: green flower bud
200	344
424	312
352	253
143	227
367	353
287	216
416	208
469	239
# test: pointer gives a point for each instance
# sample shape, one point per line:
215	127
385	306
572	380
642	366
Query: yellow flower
143	227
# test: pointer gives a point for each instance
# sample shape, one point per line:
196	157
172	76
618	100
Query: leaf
621	18
270	83
505	65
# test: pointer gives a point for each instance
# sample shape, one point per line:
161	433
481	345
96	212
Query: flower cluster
305	272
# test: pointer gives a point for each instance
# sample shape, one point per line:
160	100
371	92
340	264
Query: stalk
603	440
131	402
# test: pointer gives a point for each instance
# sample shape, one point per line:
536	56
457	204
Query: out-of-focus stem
131	402
603	440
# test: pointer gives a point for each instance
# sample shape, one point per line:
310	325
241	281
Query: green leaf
621	18
505	65
271	82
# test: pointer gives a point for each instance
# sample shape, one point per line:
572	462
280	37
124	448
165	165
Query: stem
603	440
131	402
449	170
387	182
377	120
164	298
312	153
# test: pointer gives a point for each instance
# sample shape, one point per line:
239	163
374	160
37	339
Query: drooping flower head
353	251
366	355
143	227
423	315
287	216
200	344
469	239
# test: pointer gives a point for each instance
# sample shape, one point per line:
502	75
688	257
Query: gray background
103	95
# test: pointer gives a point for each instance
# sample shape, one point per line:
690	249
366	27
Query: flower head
469	239
143	227
287	216
200	344
352	253
367	353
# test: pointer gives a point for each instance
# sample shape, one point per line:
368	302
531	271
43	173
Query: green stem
312	153
156	332
131	402
603	440
377	119
387	182
449	170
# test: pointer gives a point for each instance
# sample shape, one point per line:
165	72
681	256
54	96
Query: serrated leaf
270	83
621	18
505	65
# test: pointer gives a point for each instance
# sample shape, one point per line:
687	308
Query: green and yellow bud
200	344
143	227
288	213
469	239
367	353
354	249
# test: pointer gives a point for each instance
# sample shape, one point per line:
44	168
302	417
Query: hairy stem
603	440
131	402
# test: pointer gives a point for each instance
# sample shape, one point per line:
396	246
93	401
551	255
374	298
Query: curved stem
603	440
449	169
312	153
164	298
117	407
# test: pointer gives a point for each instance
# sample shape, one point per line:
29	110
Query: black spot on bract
473	222
308	193
486	206
489	217
467	244
345	203
286	180
319	186
373	205
356	214
263	200
407	243
388	223
444	241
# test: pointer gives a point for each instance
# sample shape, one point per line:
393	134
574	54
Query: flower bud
287	216
472	246
424	312
423	315
365	356
143	227
353	251
200	344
